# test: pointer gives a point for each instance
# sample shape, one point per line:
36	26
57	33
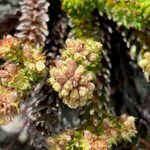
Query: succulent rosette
73	82
74	74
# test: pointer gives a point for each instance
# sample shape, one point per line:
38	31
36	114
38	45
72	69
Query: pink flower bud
11	68
80	47
4	74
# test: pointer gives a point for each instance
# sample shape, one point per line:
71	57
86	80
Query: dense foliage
75	74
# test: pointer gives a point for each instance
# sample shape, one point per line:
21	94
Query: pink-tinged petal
72	65
61	78
58	63
79	72
91	57
80	47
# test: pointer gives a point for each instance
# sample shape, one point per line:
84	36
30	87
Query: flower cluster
33	59
85	52
8	104
8	47
129	129
60	141
145	63
24	63
95	142
77	140
73	83
72	76
111	132
7	72
127	13
124	129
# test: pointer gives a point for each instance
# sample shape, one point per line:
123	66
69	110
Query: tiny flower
33	58
40	65
143	63
8	45
57	86
147	55
64	92
68	85
74	94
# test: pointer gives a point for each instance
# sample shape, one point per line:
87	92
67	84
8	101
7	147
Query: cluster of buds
145	63
129	129
7	44
124	129
73	82
33	58
8	103
85	52
70	140
12	49
72	76
111	132
8	72
95	143
60	141
24	63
